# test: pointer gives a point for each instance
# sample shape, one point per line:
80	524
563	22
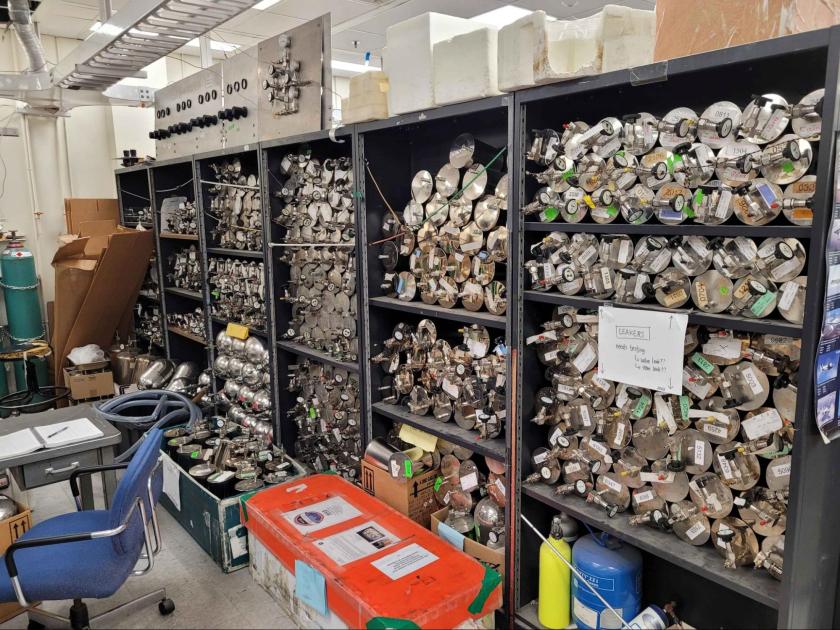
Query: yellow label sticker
237	331
588	201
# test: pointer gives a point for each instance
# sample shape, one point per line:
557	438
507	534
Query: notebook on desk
28	441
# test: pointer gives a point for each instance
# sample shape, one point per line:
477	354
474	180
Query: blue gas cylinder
615	571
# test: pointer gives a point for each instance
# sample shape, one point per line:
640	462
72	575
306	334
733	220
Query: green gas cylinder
20	292
23	305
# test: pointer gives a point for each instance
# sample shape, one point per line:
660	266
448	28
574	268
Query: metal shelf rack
694	577
134	185
174	178
323	145
396	148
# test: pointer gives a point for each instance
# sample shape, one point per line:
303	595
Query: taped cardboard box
413	497
684	27
494	558
93	292
79	210
11	529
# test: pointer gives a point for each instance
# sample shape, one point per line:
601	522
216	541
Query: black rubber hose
165	409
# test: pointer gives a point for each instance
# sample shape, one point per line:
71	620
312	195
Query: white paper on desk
19	443
642	348
171	482
69	432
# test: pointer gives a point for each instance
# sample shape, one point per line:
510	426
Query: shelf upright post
158	259
812	546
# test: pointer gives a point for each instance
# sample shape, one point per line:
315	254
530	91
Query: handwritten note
641	348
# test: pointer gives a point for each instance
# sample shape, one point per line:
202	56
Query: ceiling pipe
21	17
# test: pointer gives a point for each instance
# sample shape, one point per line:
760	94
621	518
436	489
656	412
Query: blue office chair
89	554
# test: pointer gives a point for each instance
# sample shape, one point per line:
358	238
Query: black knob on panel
210	120
153	135
239	112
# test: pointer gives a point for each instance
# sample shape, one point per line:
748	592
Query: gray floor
204	596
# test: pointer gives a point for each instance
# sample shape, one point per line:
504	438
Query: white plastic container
465	67
408	58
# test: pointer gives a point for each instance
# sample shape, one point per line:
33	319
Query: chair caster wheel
34	625
166	606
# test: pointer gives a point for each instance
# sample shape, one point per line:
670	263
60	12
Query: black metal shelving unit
323	145
707	594
394	150
175	178
250	158
134	186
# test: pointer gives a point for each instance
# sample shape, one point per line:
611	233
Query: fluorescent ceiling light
502	16
262	6
351	67
137	31
107	29
214	45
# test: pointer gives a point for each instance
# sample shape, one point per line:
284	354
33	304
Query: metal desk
51	465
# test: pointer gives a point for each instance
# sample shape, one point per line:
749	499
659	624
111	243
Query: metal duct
21	17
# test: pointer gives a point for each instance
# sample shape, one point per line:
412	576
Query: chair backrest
134	485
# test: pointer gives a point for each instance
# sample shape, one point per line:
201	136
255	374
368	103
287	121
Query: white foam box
408	58
367	99
466	67
535	50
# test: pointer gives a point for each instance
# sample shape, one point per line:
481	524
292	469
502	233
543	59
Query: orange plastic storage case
441	594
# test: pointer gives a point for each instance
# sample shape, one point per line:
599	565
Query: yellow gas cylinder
554	603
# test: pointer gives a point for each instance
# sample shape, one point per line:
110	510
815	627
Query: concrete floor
204	596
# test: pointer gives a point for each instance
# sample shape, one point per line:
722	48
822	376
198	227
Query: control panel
272	90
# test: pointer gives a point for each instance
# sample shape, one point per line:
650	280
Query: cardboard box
78	210
686	28
93	292
359	559
494	558
413	497
11	529
89	381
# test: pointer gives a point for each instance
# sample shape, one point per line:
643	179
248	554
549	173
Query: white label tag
724	348
725	468
665	477
500	486
541	457
605	277
649	477
611	483
588	255
780	271
751	379
619	435
549	335
585	417
583	361
565	390
713	429
641	497
722	206
550	355
695	530
449	388
788	295
762	424
664	414
698	388
603	384
470	246
719	416
623	251
598	447
781	470
700	453
571	468
469	482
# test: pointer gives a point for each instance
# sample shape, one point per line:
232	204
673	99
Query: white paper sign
641	348
404	561
357	542
171	487
321	515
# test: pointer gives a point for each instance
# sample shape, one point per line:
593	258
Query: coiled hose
148	409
